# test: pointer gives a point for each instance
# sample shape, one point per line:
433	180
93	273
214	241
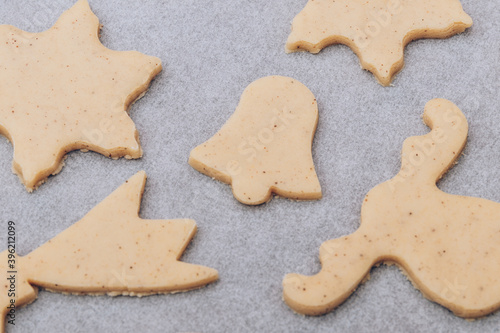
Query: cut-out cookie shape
265	147
62	90
376	30
110	251
448	245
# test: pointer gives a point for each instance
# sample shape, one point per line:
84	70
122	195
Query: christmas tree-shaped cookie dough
265	147
62	90
376	30
110	251
448	245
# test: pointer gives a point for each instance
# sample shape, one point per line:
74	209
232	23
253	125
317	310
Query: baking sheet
211	50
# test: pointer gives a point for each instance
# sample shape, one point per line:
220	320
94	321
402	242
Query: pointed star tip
139	178
81	5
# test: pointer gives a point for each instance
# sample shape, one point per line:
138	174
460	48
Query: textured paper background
211	51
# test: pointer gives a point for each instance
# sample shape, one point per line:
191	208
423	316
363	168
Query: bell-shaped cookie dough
448	245
376	30
110	251
265	147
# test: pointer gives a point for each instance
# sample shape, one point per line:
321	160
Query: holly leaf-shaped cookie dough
446	244
265	147
110	251
376	30
62	90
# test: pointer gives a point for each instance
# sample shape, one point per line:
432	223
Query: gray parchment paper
211	50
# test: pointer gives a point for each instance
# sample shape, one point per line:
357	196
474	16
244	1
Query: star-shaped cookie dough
62	90
376	30
111	250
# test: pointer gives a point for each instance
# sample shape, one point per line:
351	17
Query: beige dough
63	90
376	30
448	245
265	147
110	251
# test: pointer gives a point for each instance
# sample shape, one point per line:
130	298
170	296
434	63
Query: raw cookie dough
110	251
265	147
448	245
63	90
376	30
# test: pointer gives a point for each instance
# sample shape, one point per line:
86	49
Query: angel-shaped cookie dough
265	147
448	245
376	30
110	251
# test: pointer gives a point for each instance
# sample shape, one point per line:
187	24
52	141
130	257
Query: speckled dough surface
376	30
211	51
63	90
265	147
447	244
110	251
